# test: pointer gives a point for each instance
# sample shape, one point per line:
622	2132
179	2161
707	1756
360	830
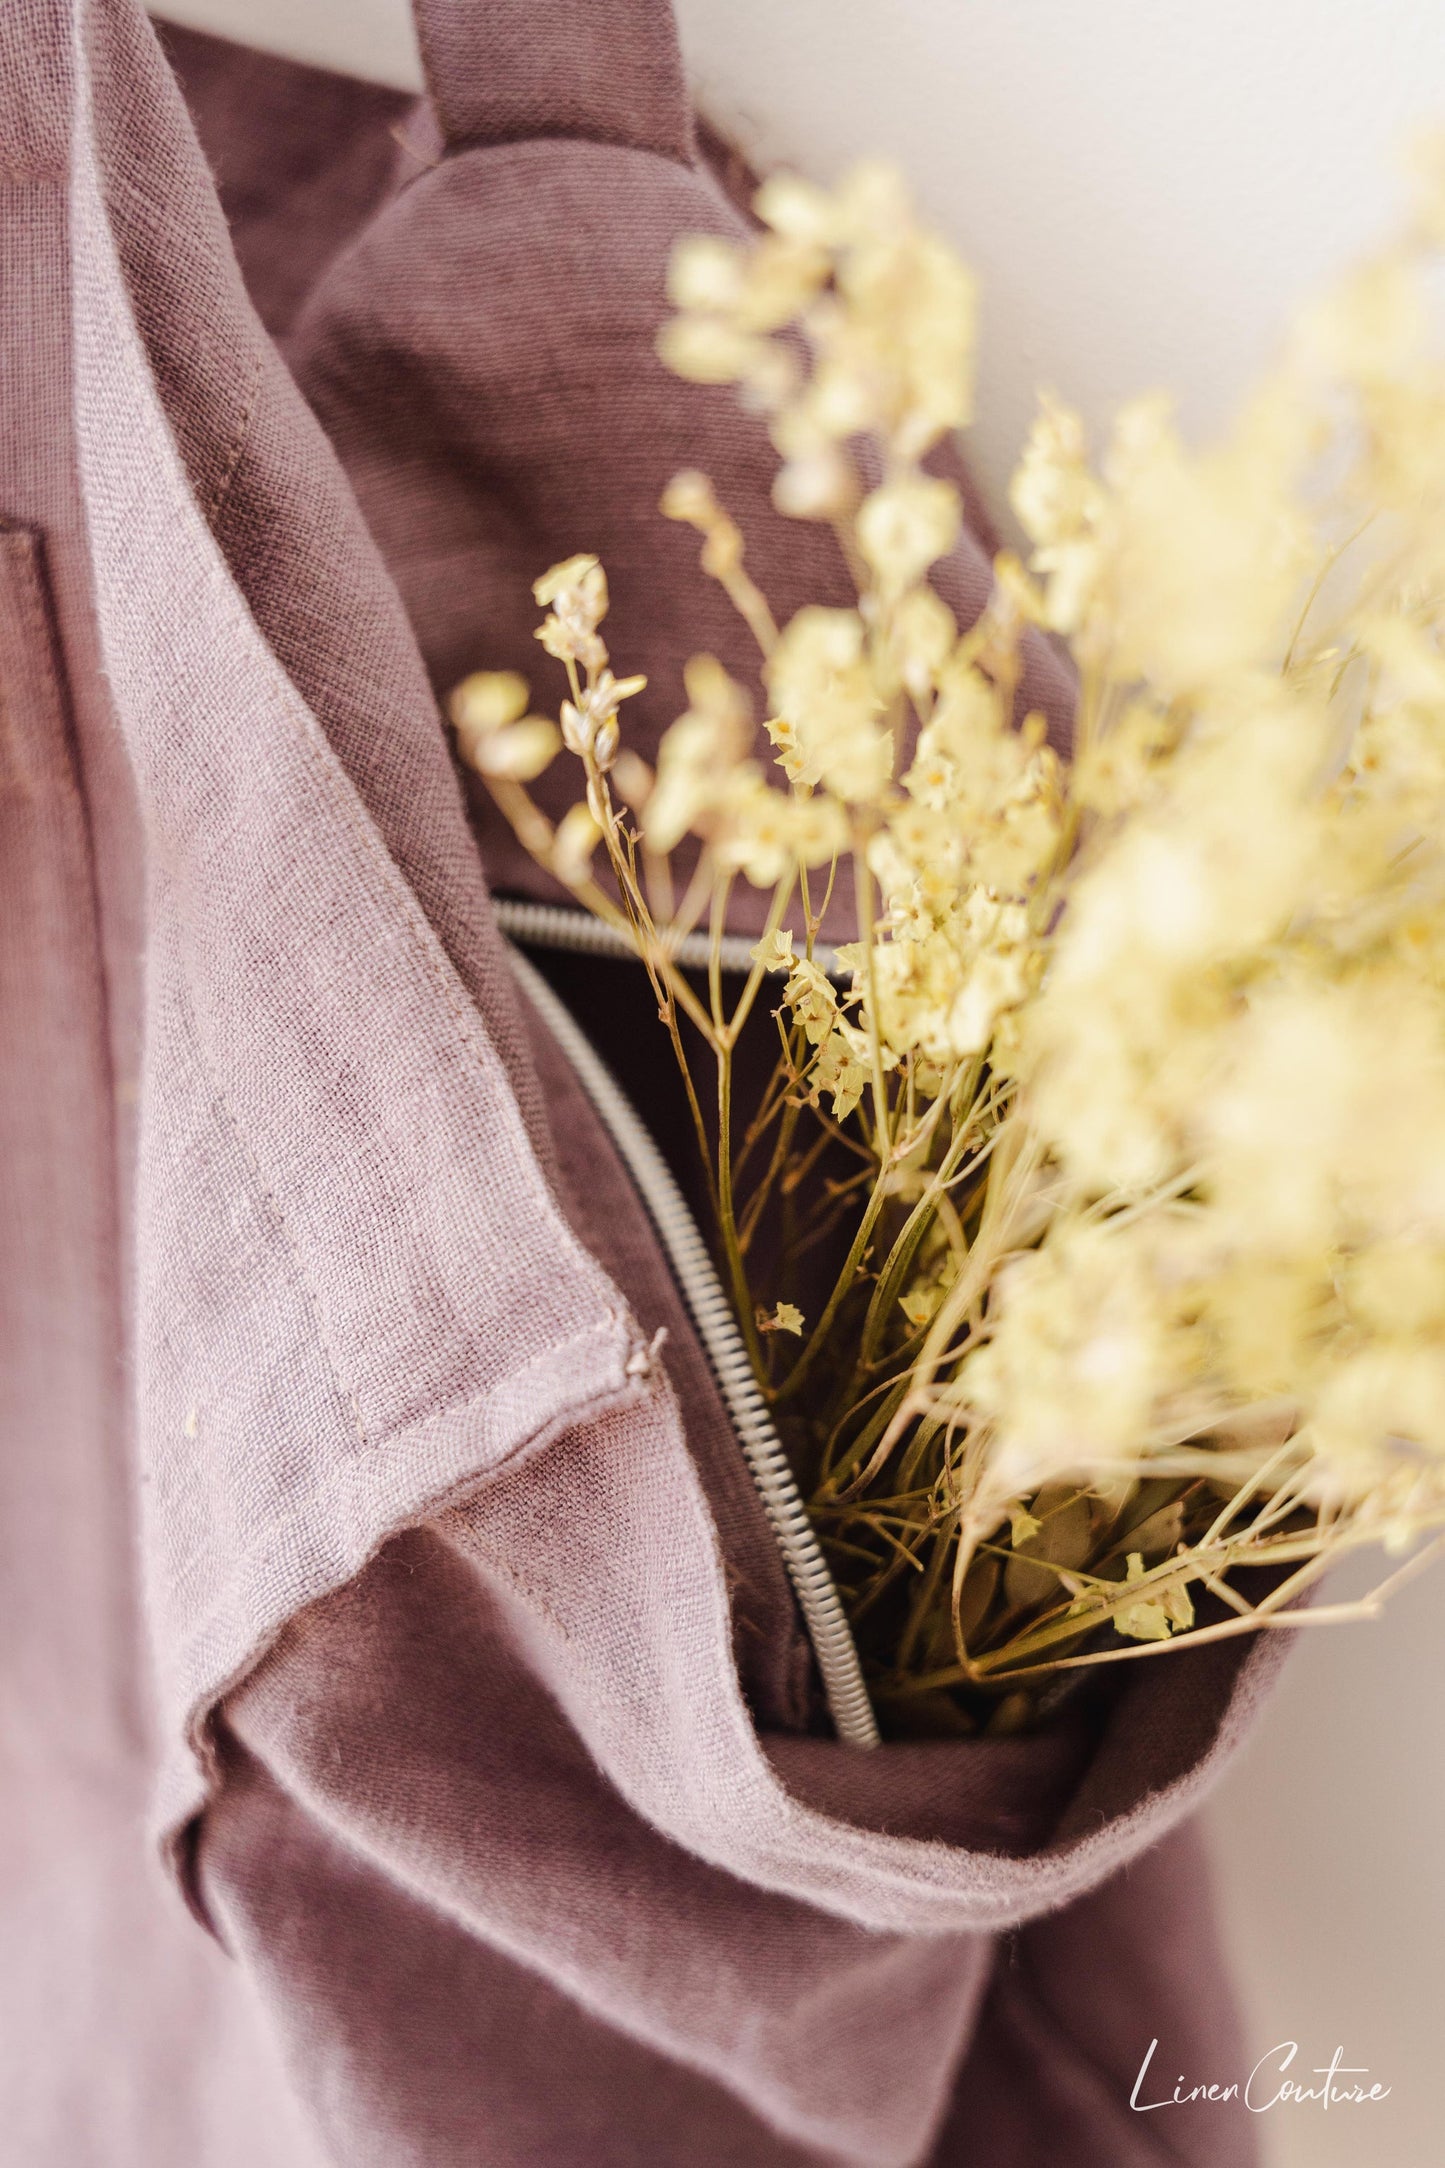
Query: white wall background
1144	187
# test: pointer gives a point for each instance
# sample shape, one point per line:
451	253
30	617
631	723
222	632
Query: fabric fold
336	1326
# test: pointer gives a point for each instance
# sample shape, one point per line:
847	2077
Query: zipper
552	926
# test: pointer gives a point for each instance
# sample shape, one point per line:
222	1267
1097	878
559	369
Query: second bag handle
502	71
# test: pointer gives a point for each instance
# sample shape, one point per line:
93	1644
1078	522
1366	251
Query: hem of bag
1012	1890
363	1504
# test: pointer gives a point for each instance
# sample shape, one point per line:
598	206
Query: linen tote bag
372	1510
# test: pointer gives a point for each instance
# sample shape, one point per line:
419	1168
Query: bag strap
501	71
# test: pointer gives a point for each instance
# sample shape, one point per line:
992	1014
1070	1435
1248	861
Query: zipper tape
817	1592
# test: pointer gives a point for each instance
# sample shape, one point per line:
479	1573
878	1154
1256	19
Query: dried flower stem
1136	1066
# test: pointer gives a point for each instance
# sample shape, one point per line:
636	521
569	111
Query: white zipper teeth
554	926
817	1592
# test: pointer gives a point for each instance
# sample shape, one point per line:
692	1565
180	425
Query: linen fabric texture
359	1540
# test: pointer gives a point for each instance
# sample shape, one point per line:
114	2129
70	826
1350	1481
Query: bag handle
501	71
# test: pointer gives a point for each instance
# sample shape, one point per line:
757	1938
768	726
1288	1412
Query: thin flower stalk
1111	1141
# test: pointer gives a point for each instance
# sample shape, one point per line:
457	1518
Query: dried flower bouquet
1126	1101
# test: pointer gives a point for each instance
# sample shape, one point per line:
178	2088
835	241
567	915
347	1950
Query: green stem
727	1218
901	1256
842	1287
865	1441
863	898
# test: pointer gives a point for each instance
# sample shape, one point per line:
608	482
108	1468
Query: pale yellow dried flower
1133	1080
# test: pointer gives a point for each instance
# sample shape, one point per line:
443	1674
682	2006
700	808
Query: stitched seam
43	627
19	548
464	145
453	153
238	445
222	1106
321	760
37	604
606	1400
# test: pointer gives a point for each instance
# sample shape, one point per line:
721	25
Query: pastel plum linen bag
357	1531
